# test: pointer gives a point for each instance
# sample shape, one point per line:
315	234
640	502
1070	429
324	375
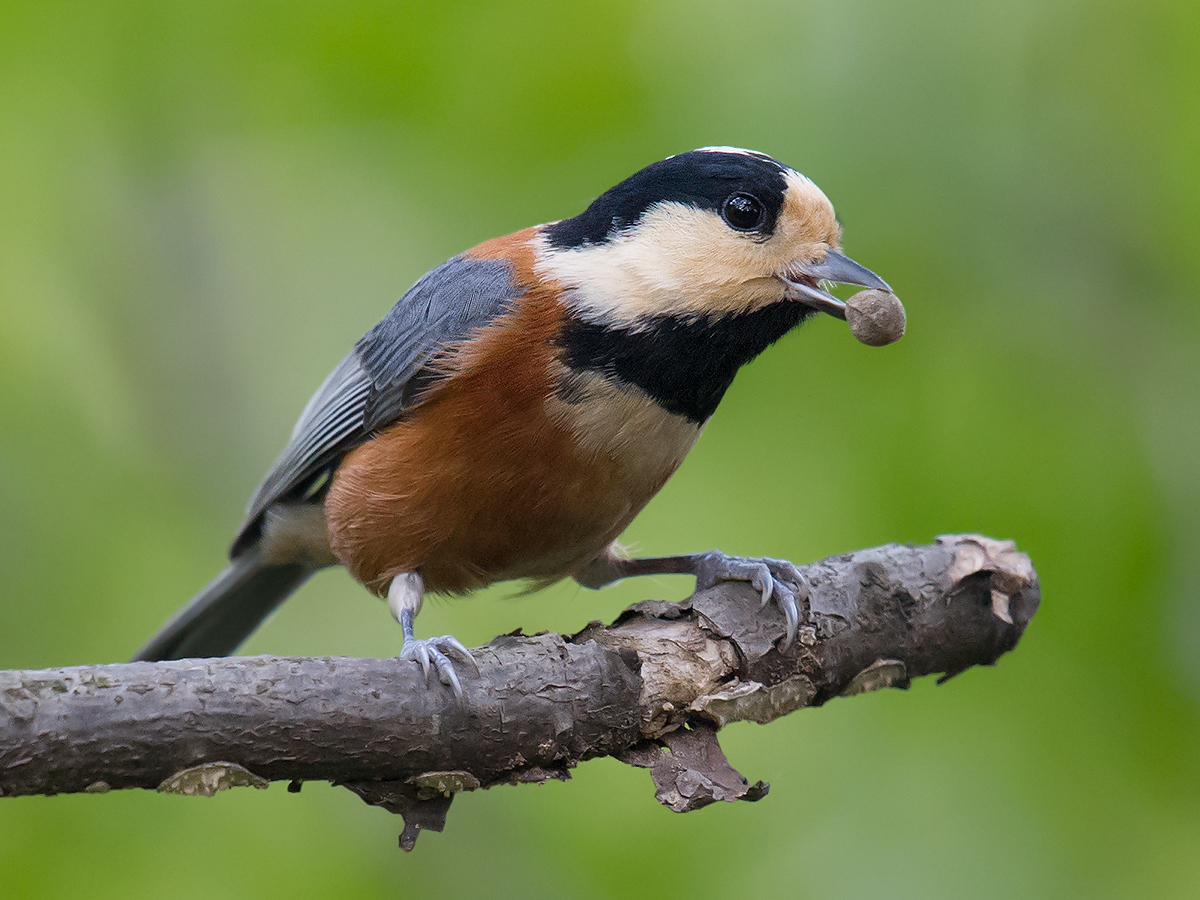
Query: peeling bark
653	688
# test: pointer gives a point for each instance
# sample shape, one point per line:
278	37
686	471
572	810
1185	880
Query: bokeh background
203	205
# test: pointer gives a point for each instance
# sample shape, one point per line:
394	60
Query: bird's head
713	232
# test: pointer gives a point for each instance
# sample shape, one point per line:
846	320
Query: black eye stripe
743	212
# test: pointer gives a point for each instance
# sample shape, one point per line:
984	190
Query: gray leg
406	594
774	579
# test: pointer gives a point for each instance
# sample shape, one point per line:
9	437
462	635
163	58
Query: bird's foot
405	596
434	654
775	579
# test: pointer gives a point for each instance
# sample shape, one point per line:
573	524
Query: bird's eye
743	212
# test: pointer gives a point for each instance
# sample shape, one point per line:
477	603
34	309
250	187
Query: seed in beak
876	318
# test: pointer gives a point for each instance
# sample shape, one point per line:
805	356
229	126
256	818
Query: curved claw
773	578
447	675
421	651
791	612
765	582
453	645
431	653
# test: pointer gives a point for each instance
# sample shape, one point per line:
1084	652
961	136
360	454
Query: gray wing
378	380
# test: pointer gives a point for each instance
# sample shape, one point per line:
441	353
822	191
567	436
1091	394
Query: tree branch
664	675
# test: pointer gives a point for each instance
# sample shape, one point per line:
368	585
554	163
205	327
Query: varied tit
524	400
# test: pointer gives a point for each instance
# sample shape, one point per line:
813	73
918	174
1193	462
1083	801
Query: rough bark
664	675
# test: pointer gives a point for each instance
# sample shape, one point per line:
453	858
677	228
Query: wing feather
367	389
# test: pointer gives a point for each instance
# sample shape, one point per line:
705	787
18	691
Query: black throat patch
685	364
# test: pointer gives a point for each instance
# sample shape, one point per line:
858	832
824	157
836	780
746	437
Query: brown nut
875	317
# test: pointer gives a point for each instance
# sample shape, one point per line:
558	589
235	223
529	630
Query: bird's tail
223	614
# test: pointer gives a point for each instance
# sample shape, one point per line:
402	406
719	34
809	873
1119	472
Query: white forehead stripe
741	151
805	186
737	151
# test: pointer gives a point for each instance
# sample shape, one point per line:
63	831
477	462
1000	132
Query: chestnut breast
517	467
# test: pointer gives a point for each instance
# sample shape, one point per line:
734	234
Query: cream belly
620	426
479	488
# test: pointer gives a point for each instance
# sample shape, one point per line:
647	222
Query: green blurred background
203	205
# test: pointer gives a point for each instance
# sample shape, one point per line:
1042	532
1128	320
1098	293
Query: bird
525	399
